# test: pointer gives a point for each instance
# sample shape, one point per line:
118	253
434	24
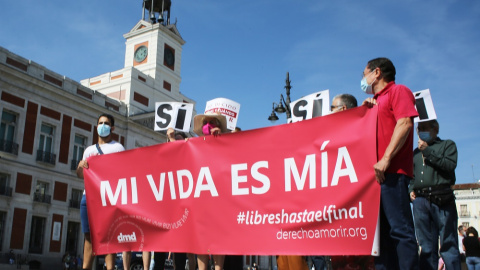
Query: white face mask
103	130
367	88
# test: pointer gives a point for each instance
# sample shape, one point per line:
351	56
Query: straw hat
200	119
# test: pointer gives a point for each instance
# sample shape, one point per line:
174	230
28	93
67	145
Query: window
78	149
37	231
466	224
73	231
45	146
41	192
3	216
5	188
76	198
7	133
463	211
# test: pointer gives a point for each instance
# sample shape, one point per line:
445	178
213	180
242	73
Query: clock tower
151	72
155	46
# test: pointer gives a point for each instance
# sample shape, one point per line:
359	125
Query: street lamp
273	117
283	105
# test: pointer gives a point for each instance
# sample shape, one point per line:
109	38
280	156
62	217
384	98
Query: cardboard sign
227	107
424	105
308	107
174	115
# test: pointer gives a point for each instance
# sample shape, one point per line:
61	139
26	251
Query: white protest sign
176	115
313	105
424	105
227	107
57	227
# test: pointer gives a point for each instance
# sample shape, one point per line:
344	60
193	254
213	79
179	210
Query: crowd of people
422	236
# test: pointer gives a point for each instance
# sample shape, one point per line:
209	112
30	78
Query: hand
369	102
83	164
171	134
380	169
412	196
422	145
215	131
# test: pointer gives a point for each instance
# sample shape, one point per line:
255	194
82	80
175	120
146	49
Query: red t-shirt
395	101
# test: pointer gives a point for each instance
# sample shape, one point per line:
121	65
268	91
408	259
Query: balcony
74	164
46	157
75	204
6	191
464	214
9	147
43	198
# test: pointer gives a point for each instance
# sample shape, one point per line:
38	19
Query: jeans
319	262
431	222
84	215
473	263
398	246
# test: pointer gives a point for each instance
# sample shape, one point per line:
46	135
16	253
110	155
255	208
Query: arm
171	135
444	161
400	134
81	165
369	102
412	181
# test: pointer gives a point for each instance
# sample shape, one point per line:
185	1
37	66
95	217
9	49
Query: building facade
468	204
47	121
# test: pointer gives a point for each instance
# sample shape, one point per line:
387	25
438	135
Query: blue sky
241	50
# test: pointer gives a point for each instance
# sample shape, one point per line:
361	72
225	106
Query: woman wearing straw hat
203	125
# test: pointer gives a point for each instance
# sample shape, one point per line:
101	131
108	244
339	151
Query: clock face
141	53
169	57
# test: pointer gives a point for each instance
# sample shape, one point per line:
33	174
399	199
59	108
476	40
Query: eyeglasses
334	107
365	75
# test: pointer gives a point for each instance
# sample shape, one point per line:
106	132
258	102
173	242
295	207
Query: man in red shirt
394	169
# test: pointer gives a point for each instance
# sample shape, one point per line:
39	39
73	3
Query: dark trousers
319	262
233	262
431	222
179	259
398	246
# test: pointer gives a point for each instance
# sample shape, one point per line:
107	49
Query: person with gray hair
434	209
343	102
340	103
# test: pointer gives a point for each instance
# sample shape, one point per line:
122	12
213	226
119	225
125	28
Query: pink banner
304	188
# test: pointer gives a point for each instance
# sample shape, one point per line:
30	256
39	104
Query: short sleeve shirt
107	148
395	102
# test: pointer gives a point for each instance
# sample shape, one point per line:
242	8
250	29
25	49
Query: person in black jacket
471	245
434	210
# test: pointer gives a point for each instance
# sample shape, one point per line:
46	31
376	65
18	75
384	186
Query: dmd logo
122	238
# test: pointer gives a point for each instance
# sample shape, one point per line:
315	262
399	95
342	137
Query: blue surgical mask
103	130
425	136
367	88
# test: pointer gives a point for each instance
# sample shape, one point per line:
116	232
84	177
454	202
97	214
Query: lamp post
283	105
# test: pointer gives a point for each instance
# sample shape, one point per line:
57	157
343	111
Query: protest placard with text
176	115
291	189
313	105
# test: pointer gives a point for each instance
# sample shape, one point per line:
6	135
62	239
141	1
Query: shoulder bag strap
99	149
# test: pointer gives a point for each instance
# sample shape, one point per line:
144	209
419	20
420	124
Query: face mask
425	136
103	130
367	88
207	127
